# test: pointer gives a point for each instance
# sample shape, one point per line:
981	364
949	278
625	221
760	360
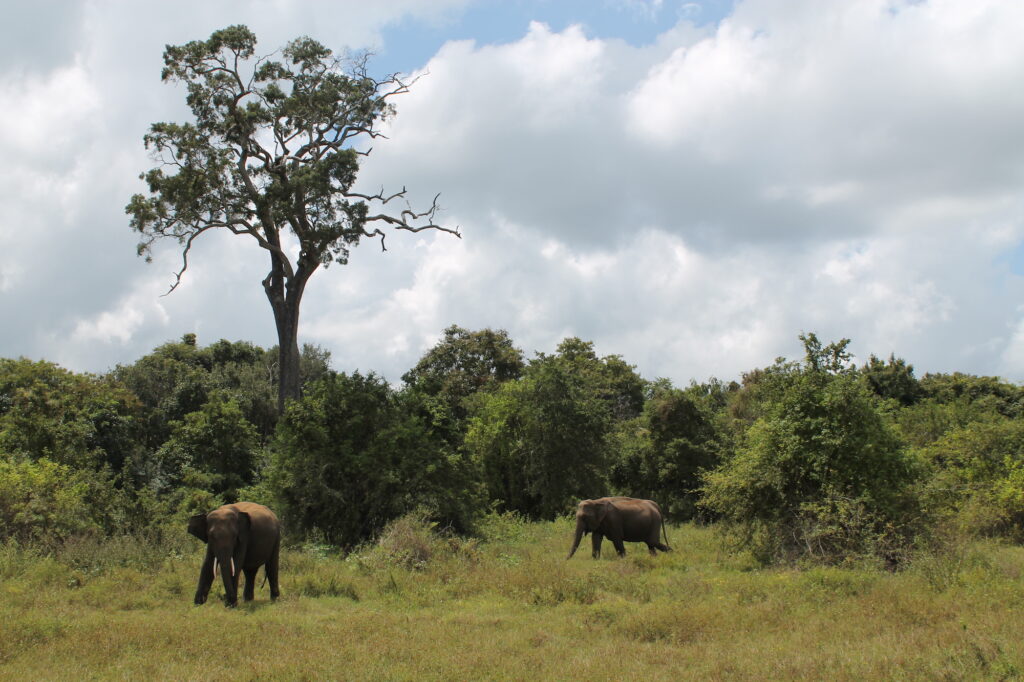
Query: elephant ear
197	527
602	511
244	526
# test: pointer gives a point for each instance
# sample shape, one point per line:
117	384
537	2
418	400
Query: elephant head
226	532
590	515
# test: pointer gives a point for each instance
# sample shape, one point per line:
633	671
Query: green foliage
45	502
892	380
223	176
463	363
820	473
977	478
77	420
610	378
987	393
171	382
352	455
813	460
663	453
448	377
541	441
214	447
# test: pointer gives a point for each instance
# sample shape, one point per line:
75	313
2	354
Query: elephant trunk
227	569
576	539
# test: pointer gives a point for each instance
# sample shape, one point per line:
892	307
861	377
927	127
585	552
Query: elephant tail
664	533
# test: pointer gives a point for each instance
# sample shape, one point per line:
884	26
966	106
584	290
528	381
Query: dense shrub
353	454
79	420
977	478
214	448
821	473
662	453
45	502
541	441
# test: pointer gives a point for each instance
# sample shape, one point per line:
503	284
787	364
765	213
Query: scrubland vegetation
830	520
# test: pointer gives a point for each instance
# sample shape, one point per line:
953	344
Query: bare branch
184	262
379	196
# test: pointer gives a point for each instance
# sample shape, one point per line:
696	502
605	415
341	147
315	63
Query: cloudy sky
687	184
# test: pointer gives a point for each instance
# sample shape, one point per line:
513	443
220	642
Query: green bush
352	455
820	474
662	453
977	478
214	448
541	441
45	502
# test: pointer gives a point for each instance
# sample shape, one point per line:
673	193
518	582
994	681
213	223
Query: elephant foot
200	599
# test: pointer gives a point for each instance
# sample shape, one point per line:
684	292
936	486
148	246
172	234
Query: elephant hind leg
250	583
271	569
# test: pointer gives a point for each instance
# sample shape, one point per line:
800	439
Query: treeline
811	459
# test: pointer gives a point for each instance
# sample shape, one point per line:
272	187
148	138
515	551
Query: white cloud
849	168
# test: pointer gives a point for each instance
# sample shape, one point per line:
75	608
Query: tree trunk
285	296
289	380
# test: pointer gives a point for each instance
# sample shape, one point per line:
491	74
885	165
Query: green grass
510	607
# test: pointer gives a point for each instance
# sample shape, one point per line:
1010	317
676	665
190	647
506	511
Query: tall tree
272	156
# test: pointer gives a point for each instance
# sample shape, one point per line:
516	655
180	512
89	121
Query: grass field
510	607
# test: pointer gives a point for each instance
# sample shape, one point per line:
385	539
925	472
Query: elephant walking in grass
239	537
621	519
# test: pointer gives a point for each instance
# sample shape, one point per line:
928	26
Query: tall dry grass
424	605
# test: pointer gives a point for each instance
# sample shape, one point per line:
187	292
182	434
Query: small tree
820	472
352	455
215	444
272	156
541	441
663	453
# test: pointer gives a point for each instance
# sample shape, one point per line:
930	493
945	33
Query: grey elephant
240	537
620	519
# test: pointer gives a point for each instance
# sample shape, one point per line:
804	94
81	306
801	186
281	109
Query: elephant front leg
595	544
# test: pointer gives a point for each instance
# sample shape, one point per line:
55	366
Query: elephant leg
250	583
619	547
230	586
271	569
205	579
595	543
651	549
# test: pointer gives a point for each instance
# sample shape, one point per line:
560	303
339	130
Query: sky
689	185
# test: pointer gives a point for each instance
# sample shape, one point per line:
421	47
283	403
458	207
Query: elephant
621	519
240	536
